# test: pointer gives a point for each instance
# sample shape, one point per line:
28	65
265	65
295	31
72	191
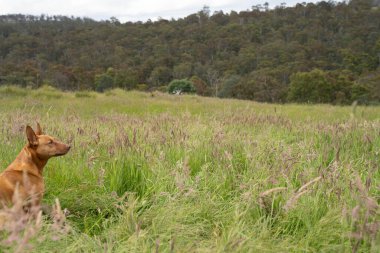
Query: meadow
153	172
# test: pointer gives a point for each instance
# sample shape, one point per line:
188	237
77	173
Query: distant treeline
327	52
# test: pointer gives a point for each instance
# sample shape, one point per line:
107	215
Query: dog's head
45	146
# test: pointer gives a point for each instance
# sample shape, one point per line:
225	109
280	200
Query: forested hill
324	52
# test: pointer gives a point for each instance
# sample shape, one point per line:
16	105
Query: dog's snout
68	147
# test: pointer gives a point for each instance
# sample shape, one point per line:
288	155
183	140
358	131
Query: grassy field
161	173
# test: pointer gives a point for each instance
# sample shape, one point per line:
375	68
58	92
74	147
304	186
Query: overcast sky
128	10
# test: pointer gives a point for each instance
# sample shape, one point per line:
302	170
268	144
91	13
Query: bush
179	86
84	94
367	89
103	82
162	88
13	91
360	92
110	93
228	85
142	87
200	86
47	92
311	87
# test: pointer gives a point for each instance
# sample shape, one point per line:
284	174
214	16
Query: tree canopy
266	54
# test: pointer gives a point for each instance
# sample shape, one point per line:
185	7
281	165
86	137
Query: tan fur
25	172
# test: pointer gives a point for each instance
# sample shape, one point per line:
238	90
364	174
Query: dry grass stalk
157	245
101	176
59	226
301	191
266	193
360	186
172	243
293	200
20	223
305	186
270	191
364	216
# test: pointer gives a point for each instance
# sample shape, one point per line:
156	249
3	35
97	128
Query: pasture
152	172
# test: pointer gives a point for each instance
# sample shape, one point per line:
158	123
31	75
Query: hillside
254	54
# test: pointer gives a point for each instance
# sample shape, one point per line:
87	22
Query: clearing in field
155	172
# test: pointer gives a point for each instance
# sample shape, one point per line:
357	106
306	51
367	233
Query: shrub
162	88
180	86
13	91
142	87
84	94
311	87
228	85
103	82
367	89
200	86
360	92
48	92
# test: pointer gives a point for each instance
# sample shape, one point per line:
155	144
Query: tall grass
154	172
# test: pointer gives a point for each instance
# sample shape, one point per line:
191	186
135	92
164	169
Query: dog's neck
28	160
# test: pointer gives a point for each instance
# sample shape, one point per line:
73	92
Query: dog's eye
50	142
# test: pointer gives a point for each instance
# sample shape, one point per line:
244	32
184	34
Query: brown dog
24	174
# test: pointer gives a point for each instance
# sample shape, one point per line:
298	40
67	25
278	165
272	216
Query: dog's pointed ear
39	129
32	137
